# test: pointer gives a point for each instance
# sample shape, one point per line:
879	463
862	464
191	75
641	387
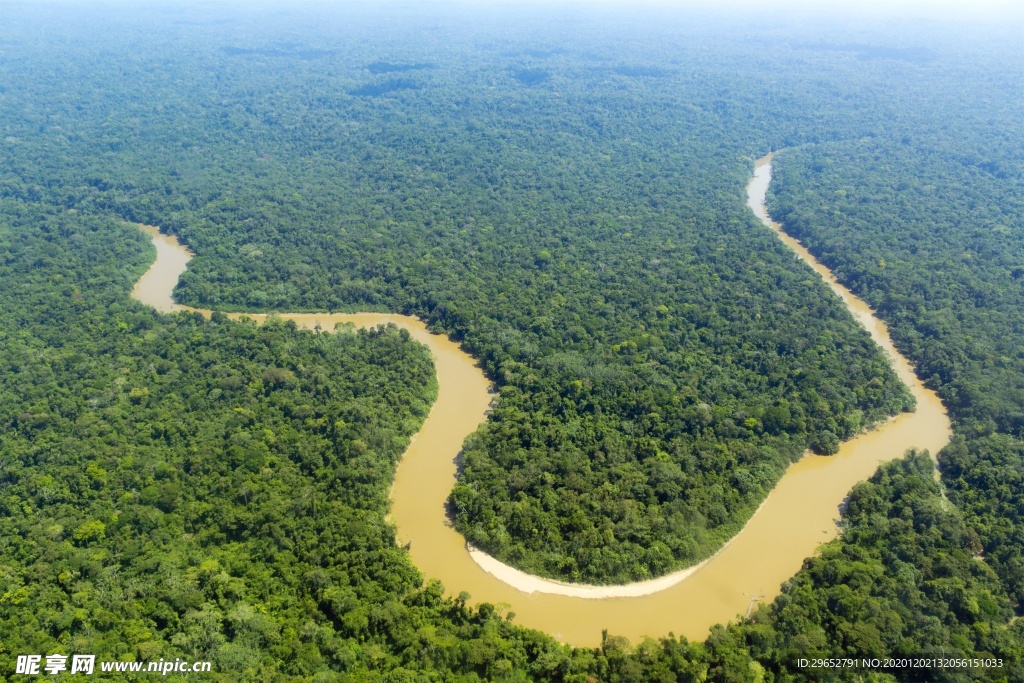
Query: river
799	514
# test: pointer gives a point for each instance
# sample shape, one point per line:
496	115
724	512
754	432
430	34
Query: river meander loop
798	515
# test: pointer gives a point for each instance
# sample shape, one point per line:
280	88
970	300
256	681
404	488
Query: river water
799	514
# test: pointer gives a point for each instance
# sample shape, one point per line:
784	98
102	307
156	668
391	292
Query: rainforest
560	191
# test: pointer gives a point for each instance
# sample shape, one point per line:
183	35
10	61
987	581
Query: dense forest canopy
562	191
651	344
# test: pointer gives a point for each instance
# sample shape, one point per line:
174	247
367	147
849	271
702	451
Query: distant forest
570	207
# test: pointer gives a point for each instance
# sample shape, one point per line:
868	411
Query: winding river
798	515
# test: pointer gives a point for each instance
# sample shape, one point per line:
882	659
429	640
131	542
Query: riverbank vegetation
172	486
182	487
661	359
935	243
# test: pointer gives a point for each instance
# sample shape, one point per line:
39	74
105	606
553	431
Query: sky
979	9
878	7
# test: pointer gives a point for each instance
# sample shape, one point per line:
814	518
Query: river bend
798	515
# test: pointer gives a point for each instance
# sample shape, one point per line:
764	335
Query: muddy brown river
799	514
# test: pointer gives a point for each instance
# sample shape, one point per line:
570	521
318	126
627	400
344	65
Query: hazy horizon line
879	9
